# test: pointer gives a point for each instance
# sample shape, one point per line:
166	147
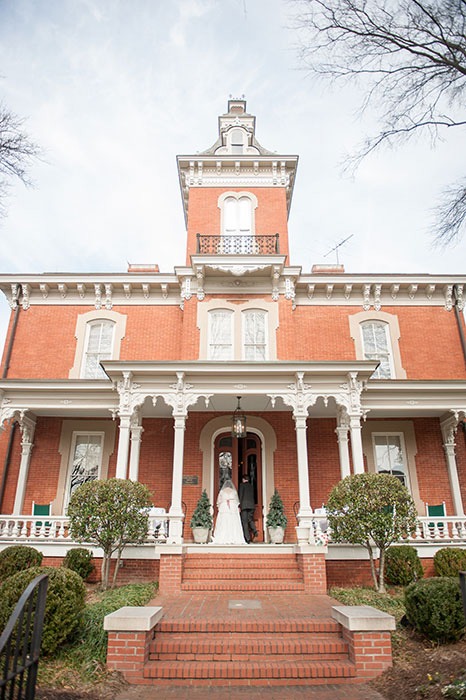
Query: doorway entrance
235	457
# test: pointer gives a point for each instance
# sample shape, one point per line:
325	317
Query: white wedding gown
228	528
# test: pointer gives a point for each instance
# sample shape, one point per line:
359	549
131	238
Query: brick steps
245	670
243	574
321	625
244	586
206	648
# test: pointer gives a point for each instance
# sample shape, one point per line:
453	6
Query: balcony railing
238	245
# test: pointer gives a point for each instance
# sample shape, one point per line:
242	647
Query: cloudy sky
114	89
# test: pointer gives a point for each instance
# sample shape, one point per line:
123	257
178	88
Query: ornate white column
449	427
300	398
123	447
342	436
179	400
356	444
305	510
28	426
136	434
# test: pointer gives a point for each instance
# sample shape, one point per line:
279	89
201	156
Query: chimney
328	269
143	268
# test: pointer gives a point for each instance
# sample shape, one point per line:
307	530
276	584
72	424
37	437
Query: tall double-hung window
98	347
237	216
254	334
86	459
389	454
376	346
221	334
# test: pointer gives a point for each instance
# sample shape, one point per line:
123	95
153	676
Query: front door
235	457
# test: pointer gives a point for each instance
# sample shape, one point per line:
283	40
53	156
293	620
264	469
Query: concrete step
326	671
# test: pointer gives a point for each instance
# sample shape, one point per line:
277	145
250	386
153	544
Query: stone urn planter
303	534
277	535
201	535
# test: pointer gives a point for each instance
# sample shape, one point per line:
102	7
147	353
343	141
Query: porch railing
238	245
429	529
47	528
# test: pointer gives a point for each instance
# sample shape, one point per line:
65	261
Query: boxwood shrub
403	565
449	561
17	558
434	608
63	608
80	561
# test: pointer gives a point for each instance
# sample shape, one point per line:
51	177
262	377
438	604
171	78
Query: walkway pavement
323	692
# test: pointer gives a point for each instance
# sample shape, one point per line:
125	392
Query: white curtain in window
221	334
99	347
86	460
254	334
389	456
377	347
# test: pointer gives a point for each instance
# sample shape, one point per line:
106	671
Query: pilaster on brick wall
171	570
312	566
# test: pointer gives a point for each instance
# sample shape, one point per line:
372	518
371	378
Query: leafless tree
17	153
410	57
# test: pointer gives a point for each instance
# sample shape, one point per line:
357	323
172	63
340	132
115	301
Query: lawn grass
82	663
391	602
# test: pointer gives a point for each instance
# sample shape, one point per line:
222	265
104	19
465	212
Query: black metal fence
20	643
238	245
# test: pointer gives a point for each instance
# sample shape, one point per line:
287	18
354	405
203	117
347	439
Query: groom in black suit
248	505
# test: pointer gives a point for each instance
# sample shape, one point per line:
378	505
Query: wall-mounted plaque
190	480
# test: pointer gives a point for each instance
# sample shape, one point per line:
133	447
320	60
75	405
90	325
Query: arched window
220	346
99	344
237	216
376	346
237	141
255	334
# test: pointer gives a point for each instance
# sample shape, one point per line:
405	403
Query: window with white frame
237	141
237	216
220	343
85	460
98	346
390	455
376	346
254	334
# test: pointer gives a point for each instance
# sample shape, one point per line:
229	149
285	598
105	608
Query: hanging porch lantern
238	428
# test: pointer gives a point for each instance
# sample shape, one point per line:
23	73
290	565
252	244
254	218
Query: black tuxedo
248	505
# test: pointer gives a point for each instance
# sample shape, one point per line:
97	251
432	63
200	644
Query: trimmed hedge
403	565
434	608
63	609
449	561
17	558
80	561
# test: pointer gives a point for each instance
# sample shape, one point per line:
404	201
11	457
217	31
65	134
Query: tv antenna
338	245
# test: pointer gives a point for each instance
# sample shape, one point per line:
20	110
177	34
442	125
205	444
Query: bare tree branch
411	58
17	153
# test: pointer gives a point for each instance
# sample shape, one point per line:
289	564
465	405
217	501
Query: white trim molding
81	336
355	321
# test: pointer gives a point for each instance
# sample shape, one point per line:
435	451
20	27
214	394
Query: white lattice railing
429	529
55	528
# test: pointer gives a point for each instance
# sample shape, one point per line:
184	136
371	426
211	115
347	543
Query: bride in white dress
228	527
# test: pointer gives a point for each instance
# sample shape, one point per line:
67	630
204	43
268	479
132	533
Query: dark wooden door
234	457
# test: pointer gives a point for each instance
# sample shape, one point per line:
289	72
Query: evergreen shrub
17	558
403	565
434	608
202	516
80	561
276	516
449	561
63	608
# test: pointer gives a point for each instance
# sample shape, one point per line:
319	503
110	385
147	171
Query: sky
113	90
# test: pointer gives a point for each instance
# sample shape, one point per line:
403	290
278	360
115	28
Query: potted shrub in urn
276	519
202	522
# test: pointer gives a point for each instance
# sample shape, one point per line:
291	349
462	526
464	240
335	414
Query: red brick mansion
137	374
